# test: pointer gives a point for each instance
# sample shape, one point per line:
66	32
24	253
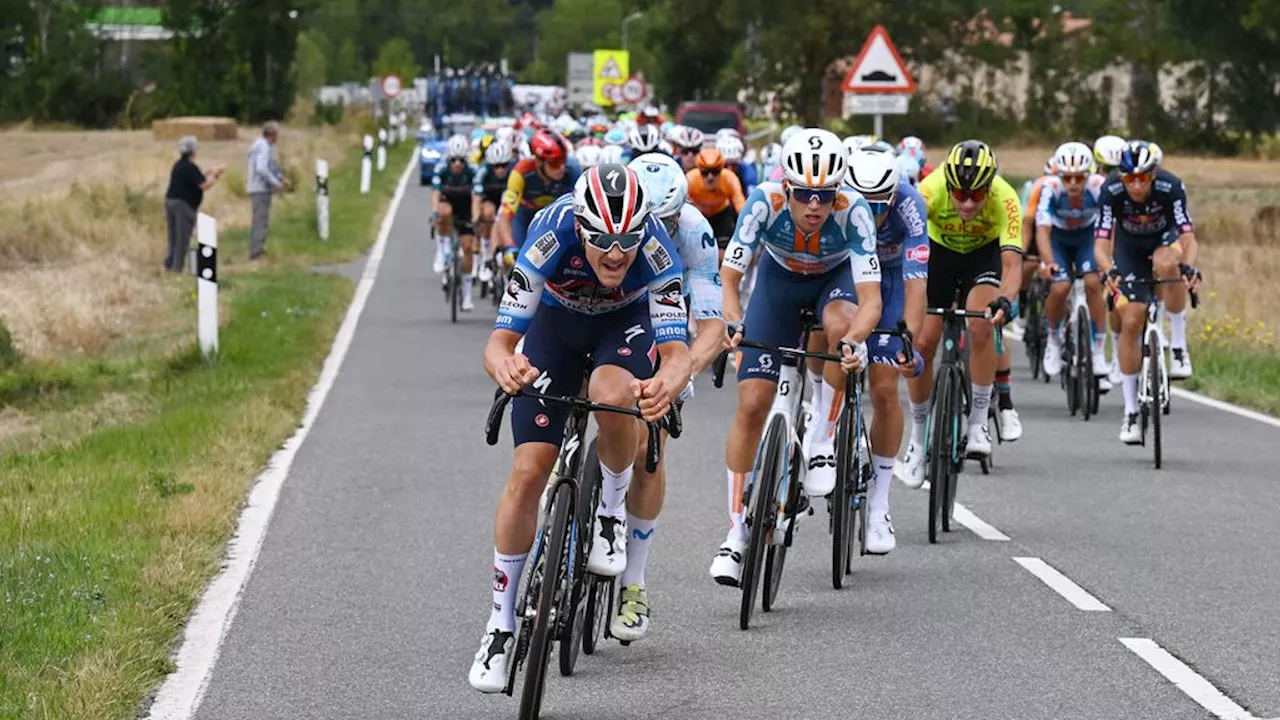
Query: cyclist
588	156
914	147
1145	228
908	170
453	183
770	162
532	185
688	143
1065	218
902	244
1106	152
666	187
732	149
975	246
817	242
717	194
491	182
643	139
578	295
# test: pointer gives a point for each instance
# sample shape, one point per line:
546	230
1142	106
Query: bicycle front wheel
763	513
455	284
940	451
1084	356
1155	392
553	576
842	498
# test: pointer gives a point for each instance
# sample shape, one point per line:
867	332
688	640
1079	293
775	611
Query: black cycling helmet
970	166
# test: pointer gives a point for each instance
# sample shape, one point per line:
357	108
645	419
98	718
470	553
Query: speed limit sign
633	90
391	86
612	91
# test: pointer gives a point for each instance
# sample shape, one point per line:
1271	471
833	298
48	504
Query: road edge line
1191	683
181	692
1224	406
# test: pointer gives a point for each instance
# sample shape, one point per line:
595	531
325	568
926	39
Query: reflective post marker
366	165
404	121
322	198
207	285
382	149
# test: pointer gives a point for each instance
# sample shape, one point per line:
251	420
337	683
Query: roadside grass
1237	362
108	537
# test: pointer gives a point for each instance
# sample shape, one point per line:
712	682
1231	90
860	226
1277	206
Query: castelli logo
624	351
576	262
918	254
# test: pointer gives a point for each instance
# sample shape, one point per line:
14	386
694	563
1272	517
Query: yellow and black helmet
970	166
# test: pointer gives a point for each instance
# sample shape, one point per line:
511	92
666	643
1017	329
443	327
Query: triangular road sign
879	68
610	71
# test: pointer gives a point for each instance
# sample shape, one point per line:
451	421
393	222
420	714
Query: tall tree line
250	58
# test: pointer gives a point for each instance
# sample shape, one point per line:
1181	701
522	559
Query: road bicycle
1154	398
1077	377
948	425
555	581
1036	334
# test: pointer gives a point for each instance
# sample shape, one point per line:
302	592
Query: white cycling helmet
499	153
910	145
873	172
1156	152
788	133
611	155
643	138
610	199
771	154
458	146
814	158
908	169
1108	149
723	133
731	148
683	136
665	146
664	181
504	133
588	156
1073	158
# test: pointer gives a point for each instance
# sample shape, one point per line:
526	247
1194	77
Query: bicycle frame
1153	336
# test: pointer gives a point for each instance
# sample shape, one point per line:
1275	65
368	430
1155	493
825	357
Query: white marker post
382	149
207	285
404	131
366	165
322	198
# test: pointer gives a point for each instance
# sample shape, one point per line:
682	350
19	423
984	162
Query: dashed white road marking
1187	680
1062	584
977	525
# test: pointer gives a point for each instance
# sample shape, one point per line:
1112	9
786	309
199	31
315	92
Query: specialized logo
657	256
614	177
542	385
632	333
542	249
671	294
919	253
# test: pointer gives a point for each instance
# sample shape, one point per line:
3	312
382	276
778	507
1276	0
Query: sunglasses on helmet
825	196
604	242
960	195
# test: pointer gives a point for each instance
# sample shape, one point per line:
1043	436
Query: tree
396	58
308	65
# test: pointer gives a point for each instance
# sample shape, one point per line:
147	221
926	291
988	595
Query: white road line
1227	407
1062	584
1186	679
977	525
180	694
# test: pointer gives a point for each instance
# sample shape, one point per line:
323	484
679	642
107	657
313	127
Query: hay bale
205	129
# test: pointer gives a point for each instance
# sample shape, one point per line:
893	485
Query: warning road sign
609	67
879	68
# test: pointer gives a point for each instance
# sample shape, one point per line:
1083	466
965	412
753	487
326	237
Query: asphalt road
373	586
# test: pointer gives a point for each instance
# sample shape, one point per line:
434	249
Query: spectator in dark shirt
182	201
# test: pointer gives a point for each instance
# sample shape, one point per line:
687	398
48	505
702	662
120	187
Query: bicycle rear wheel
553	576
762	514
1084	356
573	635
1034	341
940	451
842	498
455	284
1155	392
1071	368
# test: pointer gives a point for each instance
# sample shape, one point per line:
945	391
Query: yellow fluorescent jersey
1000	218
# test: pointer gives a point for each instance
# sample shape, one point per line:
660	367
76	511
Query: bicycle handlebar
653	454
1152	282
722	360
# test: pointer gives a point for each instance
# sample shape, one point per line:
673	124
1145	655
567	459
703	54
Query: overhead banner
609	71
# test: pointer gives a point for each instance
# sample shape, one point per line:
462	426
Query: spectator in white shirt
265	179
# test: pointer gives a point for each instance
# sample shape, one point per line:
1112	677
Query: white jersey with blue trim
552	269
696	244
1059	210
765	222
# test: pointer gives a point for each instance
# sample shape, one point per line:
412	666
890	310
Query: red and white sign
633	90
391	86
879	68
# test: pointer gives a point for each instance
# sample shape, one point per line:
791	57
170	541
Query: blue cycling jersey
696	245
848	233
747	176
552	269
903	240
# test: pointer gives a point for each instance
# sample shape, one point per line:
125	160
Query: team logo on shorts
919	254
624	351
499	580
542	420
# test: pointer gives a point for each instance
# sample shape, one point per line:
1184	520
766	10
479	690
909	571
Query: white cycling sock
613	491
506	585
466	288
736	483
981	401
442	245
826	414
815	384
919	416
1130	393
881	479
1178	330
639	539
